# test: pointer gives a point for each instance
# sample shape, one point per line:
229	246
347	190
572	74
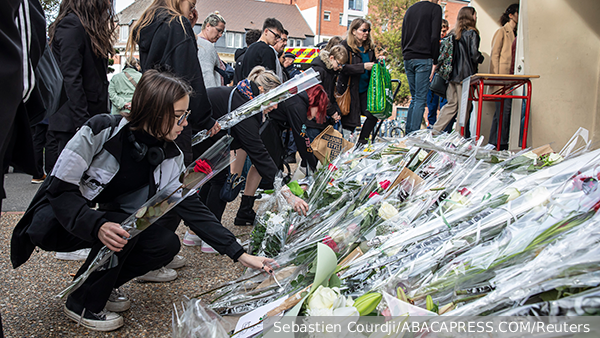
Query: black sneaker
102	321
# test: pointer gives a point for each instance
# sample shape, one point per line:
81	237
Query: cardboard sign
407	173
329	144
545	149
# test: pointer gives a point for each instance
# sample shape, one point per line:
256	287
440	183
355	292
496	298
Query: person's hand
111	234
369	65
299	205
381	57
214	130
127	106
268	265
432	73
336	117
193	17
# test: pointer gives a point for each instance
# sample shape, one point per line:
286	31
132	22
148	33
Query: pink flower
331	167
373	193
385	184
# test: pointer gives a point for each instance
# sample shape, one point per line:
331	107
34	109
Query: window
229	37
356	5
123	33
326	16
239	40
341	18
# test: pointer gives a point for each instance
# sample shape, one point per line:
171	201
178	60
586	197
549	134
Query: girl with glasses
119	162
166	39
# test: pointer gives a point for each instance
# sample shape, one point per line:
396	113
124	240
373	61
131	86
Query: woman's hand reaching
268	265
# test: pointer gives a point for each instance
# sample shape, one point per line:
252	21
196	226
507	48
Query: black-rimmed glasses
277	36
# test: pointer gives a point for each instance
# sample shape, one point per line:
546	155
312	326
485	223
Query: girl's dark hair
334	41
465	21
512	9
97	18
153	100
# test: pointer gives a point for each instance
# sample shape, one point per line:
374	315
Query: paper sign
407	173
543	150
254	317
464	101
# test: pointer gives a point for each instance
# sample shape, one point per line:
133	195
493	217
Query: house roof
133	11
240	15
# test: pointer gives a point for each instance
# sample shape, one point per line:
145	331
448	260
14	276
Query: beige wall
560	41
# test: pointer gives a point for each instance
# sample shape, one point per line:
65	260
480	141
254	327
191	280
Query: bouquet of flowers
263	101
215	159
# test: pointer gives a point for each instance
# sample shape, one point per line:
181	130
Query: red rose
331	167
202	167
330	243
373	193
385	184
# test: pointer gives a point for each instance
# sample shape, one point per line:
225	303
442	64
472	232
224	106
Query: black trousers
39	143
152	249
210	193
370	122
55	143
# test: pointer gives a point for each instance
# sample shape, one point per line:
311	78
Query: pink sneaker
191	240
208	249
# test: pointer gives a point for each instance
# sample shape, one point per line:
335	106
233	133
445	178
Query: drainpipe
319	22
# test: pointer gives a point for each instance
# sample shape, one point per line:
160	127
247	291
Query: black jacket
328	81
421	31
246	133
172	44
354	69
467	57
258	54
239	60
84	76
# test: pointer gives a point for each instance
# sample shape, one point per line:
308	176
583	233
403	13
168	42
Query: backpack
445	57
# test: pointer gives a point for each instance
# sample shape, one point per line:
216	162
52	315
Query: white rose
349	311
531	155
322	298
338	235
387	211
555	158
512	193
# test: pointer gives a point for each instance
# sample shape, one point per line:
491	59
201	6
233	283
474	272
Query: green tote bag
380	96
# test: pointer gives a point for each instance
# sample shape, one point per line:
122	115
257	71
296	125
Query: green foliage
386	17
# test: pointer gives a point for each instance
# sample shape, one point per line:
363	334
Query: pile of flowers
436	225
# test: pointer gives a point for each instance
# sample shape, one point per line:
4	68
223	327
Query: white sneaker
78	255
177	262
102	321
191	240
118	301
207	248
161	275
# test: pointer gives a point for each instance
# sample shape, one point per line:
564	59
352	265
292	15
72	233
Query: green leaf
334	281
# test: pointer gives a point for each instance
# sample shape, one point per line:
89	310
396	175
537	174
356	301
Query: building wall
451	9
567	58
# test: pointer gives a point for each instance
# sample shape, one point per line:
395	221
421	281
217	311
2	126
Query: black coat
466	57
172	44
328	81
239	61
354	69
259	54
84	74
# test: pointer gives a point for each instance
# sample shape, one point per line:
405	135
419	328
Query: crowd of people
109	146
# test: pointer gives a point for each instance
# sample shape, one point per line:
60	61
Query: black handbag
438	86
232	187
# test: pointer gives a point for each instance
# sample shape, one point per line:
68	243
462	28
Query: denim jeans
417	72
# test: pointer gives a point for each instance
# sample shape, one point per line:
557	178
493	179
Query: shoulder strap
130	78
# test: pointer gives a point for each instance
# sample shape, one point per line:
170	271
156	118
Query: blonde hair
339	53
173	9
351	39
264	78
